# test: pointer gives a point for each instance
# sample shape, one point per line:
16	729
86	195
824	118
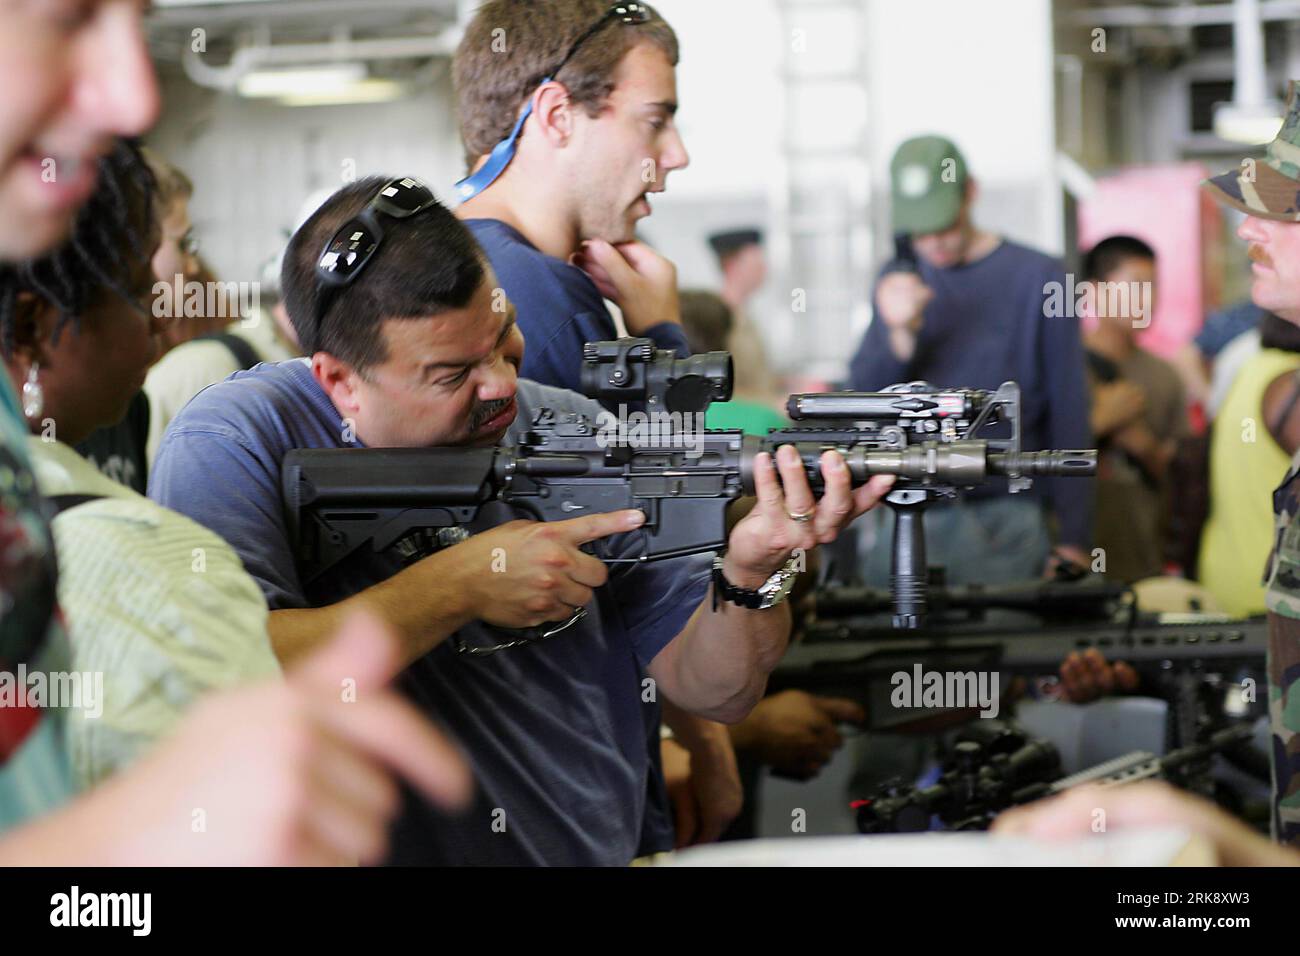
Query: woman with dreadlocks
74	325
157	604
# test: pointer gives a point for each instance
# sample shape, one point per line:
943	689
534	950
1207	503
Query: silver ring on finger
802	517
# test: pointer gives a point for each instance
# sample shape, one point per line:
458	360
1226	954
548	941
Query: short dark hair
509	46
114	233
727	244
1106	256
427	264
706	319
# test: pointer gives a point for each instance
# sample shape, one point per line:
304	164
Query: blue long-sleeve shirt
559	308
993	321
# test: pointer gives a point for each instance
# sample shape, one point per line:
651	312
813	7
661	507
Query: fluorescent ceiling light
1252	125
366	91
324	79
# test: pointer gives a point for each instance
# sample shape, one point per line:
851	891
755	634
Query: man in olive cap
962	307
1268	192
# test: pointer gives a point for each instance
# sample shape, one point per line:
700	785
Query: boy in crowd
1139	410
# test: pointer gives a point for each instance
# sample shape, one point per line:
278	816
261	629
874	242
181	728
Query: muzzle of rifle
965	463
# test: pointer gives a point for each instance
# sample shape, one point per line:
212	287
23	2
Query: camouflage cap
1269	189
927	185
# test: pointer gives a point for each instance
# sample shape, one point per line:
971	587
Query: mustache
487	411
1256	254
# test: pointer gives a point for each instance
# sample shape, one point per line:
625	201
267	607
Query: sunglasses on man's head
504	151
357	241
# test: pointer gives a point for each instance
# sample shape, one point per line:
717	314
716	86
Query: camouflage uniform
1283	601
1270	189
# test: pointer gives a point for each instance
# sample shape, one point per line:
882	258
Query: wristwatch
769	594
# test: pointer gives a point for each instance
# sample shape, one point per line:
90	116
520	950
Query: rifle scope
627	371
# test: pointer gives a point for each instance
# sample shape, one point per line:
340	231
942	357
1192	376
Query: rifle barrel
1057	462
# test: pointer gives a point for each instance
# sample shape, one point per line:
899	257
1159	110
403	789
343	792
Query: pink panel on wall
1165	207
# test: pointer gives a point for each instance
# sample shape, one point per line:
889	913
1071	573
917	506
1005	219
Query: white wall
254	163
728	87
981	73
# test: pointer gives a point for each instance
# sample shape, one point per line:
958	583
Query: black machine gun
1174	655
681	475
994	768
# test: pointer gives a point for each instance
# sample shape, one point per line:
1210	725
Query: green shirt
750	417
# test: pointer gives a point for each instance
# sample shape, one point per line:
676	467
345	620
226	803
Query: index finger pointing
590	527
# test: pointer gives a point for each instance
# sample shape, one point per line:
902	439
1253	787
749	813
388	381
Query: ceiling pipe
1184	15
1248	80
219	12
261	55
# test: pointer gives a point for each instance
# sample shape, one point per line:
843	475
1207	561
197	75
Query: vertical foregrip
909	579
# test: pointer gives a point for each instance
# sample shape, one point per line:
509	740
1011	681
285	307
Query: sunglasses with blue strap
504	151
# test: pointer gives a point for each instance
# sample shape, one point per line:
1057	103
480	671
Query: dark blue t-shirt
559	308
988	323
554	731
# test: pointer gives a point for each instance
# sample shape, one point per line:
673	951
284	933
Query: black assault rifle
682	476
1190	661
993	769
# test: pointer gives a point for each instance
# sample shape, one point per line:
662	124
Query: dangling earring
33	393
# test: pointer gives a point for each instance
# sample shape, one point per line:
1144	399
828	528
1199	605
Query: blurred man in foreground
271	787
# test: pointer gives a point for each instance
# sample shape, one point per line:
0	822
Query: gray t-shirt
554	731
